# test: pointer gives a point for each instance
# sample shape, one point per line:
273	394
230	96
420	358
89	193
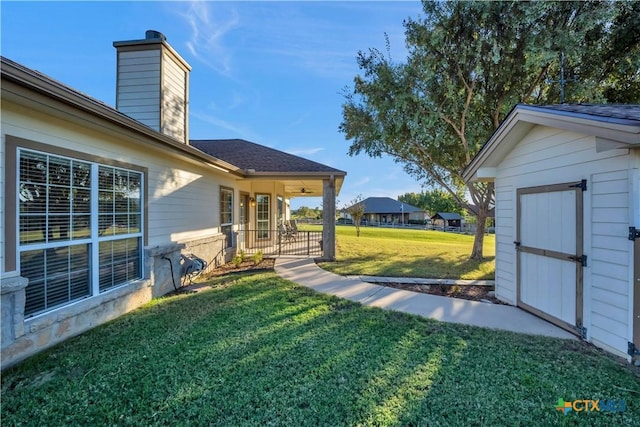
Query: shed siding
173	99
610	267
2	202
505	235
548	156
138	86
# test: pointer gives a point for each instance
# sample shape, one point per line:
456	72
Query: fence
279	242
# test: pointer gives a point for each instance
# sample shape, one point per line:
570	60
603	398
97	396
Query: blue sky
269	72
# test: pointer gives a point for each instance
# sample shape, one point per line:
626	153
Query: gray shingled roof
448	216
603	111
248	155
236	152
387	205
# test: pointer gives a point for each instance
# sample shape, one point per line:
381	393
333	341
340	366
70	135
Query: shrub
237	260
257	257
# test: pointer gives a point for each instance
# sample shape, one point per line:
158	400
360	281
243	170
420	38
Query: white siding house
101	205
567	192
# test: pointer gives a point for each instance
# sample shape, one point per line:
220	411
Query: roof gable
613	125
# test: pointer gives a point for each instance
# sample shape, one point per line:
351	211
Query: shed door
549	245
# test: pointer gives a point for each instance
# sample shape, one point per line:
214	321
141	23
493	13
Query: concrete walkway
305	272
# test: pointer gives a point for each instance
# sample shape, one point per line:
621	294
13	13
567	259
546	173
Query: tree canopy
433	201
468	65
306	212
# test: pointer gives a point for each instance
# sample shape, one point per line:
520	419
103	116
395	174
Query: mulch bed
229	268
468	292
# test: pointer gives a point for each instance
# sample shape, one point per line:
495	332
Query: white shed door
549	246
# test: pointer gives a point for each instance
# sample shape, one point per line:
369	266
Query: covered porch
267	180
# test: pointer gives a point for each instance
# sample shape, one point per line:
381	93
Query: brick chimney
152	85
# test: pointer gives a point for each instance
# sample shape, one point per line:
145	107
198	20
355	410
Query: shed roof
613	126
448	216
605	112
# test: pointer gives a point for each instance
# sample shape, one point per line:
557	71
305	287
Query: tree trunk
478	240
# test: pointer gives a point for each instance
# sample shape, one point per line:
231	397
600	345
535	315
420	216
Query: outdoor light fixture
252	201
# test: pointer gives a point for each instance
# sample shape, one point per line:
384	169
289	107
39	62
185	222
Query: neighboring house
567	188
99	204
446	220
385	210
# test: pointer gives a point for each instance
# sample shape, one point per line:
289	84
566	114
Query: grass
258	350
398	252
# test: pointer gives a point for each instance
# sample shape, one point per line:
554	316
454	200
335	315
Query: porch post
329	219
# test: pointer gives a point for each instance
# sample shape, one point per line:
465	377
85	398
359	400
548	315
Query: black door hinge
581	185
633	233
517	245
632	350
582	259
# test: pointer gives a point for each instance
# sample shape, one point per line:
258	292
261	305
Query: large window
79	228
262	215
226	214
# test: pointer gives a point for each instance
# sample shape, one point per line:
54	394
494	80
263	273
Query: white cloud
304	151
206	43
362	181
236	130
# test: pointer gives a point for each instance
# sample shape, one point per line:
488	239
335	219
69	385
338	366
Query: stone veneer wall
23	337
212	250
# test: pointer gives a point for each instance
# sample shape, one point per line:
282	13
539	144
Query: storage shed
446	220
567	208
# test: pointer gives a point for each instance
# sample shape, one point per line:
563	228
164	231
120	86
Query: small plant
243	255
237	260
257	257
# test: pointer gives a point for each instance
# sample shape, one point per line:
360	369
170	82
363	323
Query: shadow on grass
258	350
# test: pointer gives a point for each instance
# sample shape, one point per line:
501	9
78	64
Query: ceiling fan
304	191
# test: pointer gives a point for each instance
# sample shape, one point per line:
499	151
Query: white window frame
266	220
226	226
94	240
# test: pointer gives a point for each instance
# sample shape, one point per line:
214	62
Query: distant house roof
252	157
387	205
447	216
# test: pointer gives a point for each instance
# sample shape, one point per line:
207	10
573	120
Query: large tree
468	64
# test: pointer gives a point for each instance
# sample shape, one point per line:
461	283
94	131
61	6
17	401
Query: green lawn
399	252
258	350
